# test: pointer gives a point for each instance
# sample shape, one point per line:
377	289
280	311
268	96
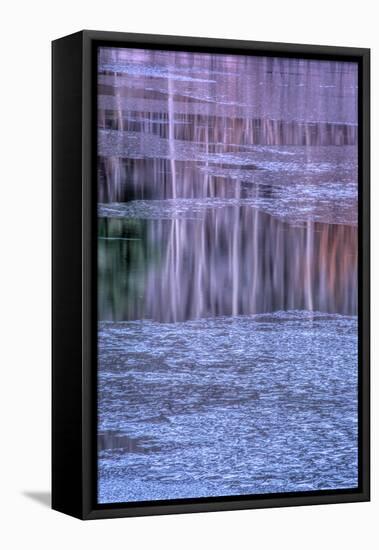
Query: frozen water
244	405
227	275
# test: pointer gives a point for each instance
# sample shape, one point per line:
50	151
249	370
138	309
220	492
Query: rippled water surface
256	404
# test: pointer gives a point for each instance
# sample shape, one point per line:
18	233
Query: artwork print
227	336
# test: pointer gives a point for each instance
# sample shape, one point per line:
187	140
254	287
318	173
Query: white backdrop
27	29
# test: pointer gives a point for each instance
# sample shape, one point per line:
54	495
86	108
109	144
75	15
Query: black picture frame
74	316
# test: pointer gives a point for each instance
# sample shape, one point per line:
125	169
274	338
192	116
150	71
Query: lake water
227	269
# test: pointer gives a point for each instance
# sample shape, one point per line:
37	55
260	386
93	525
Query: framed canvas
210	275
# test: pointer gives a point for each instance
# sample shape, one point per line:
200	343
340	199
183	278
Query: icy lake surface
227	406
227	275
